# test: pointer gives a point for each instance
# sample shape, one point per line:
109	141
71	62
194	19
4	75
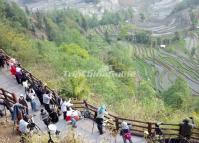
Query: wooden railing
138	127
7	96
113	121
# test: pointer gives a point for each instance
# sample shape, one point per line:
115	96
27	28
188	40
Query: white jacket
65	104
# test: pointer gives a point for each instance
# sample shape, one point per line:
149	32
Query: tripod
50	139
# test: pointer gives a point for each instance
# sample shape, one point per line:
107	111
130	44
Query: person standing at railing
24	77
64	106
2	61
13	69
186	128
46	101
39	92
101	112
125	132
18	74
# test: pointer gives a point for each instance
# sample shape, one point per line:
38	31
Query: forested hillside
63	47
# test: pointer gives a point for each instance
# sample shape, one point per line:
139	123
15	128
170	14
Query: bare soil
6	132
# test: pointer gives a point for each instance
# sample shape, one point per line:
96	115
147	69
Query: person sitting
186	128
54	116
101	112
125	132
73	120
45	117
70	113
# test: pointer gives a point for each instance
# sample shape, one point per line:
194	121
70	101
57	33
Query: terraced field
169	67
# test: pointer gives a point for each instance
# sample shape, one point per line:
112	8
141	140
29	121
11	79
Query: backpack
28	98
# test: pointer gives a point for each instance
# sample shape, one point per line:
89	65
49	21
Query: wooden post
117	123
149	128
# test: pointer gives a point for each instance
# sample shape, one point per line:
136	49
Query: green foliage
142	38
146	91
12	40
74	49
16	15
178	95
79	87
116	17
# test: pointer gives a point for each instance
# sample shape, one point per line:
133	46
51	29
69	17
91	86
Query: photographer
45	117
101	112
24	127
186	128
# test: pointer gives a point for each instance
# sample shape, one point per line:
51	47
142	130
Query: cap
21	95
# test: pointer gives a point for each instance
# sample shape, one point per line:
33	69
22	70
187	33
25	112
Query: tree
146	90
74	49
142	17
16	14
178	95
176	37
193	51
107	37
79	87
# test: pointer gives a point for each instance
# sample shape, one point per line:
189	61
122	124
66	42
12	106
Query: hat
21	95
124	125
186	120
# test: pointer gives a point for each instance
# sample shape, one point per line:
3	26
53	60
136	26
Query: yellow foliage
74	49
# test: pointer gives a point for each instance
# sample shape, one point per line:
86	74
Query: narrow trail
84	126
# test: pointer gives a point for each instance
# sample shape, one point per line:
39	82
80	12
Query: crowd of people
52	106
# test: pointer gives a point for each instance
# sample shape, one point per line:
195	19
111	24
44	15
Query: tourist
31	95
12	69
24	77
186	128
125	132
18	74
45	117
73	120
39	92
23	102
101	112
23	126
46	101
17	111
63	108
54	116
2	61
65	104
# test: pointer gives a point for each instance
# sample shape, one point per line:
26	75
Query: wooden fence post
150	128
117	123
